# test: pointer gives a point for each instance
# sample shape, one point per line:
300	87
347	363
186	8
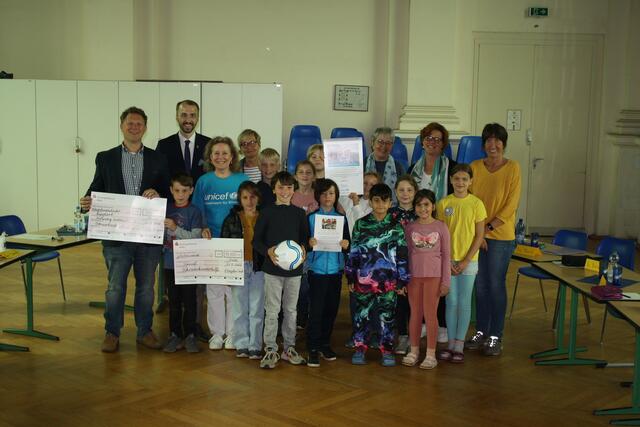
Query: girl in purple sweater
429	261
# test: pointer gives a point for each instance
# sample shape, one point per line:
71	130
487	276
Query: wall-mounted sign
351	98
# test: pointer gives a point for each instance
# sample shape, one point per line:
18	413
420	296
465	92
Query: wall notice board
351	98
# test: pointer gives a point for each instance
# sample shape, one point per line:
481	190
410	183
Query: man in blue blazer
185	153
132	169
185	150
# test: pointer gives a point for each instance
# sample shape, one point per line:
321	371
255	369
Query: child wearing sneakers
247	302
276	223
269	166
403	212
464	215
376	269
429	264
325	276
183	221
356	207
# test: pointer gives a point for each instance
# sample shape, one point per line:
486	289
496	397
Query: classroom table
4	262
54	242
570	277
630	311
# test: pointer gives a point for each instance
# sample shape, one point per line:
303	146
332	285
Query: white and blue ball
289	255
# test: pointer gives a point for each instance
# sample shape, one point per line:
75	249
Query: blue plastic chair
626	250
300	139
351	133
567	238
399	152
470	149
418	149
298	147
12	225
306	131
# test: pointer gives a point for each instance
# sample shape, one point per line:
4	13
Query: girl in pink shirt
429	261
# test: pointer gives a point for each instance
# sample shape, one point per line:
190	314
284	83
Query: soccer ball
289	255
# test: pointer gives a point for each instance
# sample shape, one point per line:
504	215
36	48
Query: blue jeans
119	259
247	304
491	288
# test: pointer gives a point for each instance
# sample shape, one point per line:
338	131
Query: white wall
416	55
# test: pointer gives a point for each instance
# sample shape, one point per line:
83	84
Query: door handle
536	160
76	147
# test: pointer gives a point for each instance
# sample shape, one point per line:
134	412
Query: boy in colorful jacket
376	270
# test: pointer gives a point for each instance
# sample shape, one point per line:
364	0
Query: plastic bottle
77	220
614	270
520	232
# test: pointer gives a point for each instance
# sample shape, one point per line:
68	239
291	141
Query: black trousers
182	306
324	299
402	314
442	309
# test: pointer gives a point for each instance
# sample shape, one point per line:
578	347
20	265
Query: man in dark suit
185	153
185	150
132	169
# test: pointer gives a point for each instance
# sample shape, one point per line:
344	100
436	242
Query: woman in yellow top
496	181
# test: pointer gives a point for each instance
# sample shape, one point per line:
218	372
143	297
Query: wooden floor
71	383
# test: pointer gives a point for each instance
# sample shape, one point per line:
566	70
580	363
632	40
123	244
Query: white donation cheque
209	261
126	218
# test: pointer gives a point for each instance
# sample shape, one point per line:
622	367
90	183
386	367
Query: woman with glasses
249	142
431	172
381	160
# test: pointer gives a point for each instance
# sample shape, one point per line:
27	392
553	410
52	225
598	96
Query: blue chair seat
46	256
534	273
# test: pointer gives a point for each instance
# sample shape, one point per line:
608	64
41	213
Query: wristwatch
490	227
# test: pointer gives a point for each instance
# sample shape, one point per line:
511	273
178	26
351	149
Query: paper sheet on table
343	163
327	230
126	218
28	236
210	262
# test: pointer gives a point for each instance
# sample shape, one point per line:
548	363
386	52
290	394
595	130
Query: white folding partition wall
51	131
57	161
18	171
229	108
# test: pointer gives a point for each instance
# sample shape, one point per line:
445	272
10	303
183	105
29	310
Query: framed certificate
351	98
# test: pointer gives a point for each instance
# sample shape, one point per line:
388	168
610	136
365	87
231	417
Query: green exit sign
540	12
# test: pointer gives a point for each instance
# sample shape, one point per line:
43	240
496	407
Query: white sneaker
442	335
216	343
292	356
228	343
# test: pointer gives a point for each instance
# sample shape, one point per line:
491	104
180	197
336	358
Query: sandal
445	355
457	357
410	359
429	363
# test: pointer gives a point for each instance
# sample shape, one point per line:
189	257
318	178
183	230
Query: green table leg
560	348
30	332
10	347
571	358
634	409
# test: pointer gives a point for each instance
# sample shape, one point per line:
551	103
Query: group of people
413	245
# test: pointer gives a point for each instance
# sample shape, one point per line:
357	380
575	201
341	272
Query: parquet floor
71	383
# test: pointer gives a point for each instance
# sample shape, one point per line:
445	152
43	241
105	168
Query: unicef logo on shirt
448	211
233	195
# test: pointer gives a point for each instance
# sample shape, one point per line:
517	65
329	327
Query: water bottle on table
520	232
614	270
